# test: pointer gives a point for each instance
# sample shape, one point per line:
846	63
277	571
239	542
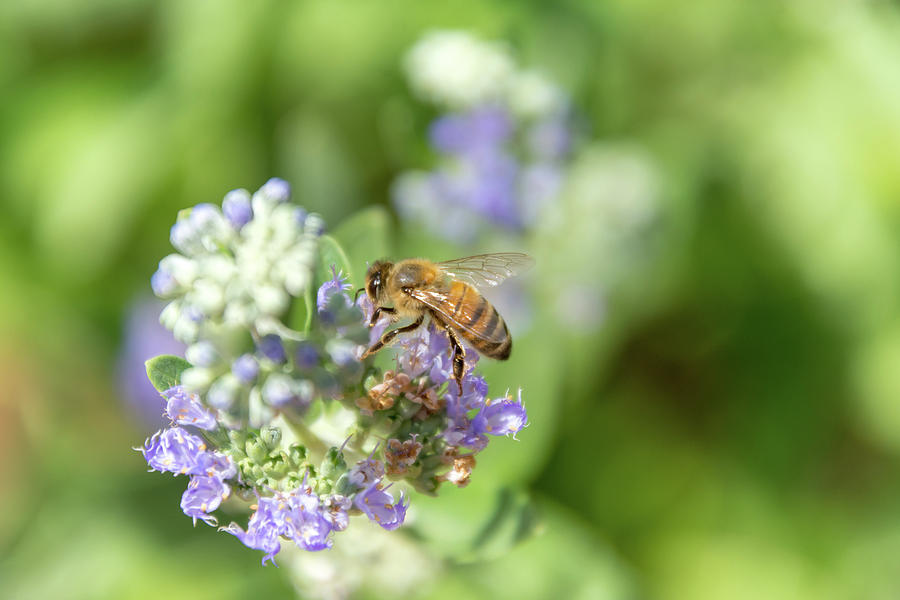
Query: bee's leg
458	352
389	336
377	313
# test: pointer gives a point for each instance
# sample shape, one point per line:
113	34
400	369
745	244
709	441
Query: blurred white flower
457	70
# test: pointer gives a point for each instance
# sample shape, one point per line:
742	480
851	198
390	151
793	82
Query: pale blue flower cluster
273	406
502	143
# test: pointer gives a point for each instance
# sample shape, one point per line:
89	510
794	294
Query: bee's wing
458	314
487	269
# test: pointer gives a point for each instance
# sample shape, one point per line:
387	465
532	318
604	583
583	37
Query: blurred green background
730	429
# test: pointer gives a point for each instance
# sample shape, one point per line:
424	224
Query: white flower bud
241	312
170	314
186	330
297	280
270	299
182	268
219	268
208	296
223	392
202	354
197	379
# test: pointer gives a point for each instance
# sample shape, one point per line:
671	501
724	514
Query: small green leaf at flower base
164	371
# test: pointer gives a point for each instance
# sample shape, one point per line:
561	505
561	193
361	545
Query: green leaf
330	255
165	371
300	317
365	236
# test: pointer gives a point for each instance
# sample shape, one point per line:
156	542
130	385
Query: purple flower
176	451
380	326
270	346
379	506
484	127
335	511
280	390
237	208
421	350
474	392
366	472
245	369
492	189
186	409
294	515
307	355
502	417
463	431
203	495
336	285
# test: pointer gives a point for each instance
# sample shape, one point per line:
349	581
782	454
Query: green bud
323	486
271	437
238	438
277	466
256	450
257	475
291	483
333	465
344	486
297	454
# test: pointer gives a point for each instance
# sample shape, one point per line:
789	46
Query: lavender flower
501	153
203	495
379	506
294	515
185	409
266	411
502	417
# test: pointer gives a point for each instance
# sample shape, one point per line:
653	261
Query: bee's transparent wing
487	270
459	314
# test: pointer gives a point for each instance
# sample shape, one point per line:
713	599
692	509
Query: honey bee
447	293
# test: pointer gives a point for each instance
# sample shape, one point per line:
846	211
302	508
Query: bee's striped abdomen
479	322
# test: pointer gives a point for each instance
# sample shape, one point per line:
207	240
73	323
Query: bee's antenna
356	296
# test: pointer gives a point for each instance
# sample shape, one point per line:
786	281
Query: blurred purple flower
270	346
483	128
144	338
245	368
237	208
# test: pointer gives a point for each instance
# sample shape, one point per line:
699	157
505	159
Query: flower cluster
502	144
273	406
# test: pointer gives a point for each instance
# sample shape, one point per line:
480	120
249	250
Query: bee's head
376	277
